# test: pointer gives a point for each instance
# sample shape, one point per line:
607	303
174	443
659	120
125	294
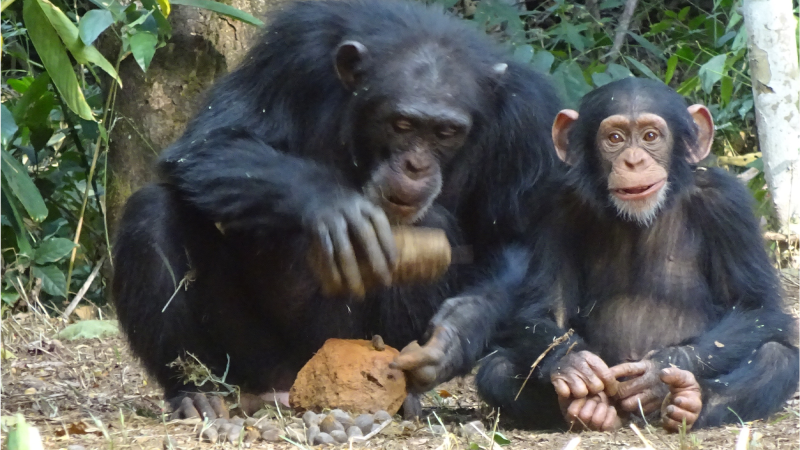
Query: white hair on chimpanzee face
641	211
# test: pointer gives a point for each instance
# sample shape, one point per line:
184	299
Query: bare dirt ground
92	393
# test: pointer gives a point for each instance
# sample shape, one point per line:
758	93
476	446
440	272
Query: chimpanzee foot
412	407
684	401
198	405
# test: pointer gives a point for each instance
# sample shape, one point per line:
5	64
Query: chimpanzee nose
417	166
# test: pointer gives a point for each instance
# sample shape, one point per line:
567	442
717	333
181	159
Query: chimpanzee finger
612	421
574	409
383	230
692	404
629	369
678	379
412	357
363	229
675	417
646	397
346	257
562	388
599	416
587	411
185	410
577	385
603	373
203	406
218	404
325	242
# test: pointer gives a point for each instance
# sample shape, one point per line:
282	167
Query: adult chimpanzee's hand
643	386
581	374
333	224
684	400
425	366
595	412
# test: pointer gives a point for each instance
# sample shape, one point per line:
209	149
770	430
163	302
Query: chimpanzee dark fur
280	136
696	286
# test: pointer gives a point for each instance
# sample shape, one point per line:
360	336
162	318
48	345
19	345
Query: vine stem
97	145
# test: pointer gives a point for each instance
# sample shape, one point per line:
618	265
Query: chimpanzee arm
742	280
237	179
748	362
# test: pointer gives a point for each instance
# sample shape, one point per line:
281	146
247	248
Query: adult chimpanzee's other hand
425	366
582	374
333	224
684	401
643	386
594	412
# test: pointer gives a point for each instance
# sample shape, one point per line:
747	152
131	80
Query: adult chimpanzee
658	267
346	118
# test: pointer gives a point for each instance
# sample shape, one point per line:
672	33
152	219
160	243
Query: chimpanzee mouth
400	207
638	192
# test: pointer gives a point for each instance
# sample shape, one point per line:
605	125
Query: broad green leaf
69	33
53	280
35	90
523	53
688	86
10	209
20	183
9	127
54	57
734	19
166	8
712	71
740	40
500	439
649	46
156	7
695	23
725	38
143	47
672	62
726	89
618	72
601	79
746	107
642	68
53	249
660	26
684	12
89	329
543	61
93	23
24	436
116	9
575	84
221	8
20	84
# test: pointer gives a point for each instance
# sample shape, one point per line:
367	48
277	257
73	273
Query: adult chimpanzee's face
417	119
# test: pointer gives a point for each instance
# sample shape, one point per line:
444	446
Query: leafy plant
55	127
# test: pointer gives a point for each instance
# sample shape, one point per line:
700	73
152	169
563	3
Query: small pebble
210	434
272	435
234	433
75	447
343	418
250	422
339	436
310	418
329	424
364	421
170	443
250	435
468	430
354	431
408	425
323	438
374	427
382	416
312	433
377	343
237	421
296	434
219	422
225	427
438	429
266	426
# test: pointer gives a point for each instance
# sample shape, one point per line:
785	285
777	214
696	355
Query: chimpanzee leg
756	389
176	292
500	379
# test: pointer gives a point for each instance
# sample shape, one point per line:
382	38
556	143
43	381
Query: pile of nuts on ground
334	427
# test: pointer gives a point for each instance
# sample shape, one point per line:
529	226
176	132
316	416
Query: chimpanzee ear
561	126
705	133
349	60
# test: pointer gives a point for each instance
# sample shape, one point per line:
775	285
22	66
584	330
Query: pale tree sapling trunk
772	43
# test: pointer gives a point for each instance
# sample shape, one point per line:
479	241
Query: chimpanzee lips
638	192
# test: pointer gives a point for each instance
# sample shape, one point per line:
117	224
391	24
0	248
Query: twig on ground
371	433
743	441
644	440
555	343
572	444
622	29
85	288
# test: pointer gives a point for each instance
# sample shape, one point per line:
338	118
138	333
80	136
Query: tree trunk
152	109
772	42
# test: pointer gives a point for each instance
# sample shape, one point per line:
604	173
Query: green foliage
54	134
699	50
89	329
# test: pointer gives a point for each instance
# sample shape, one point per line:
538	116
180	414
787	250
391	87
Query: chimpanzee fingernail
677	401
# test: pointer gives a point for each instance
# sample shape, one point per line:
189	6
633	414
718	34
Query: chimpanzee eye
446	132
615	138
402	125
650	136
